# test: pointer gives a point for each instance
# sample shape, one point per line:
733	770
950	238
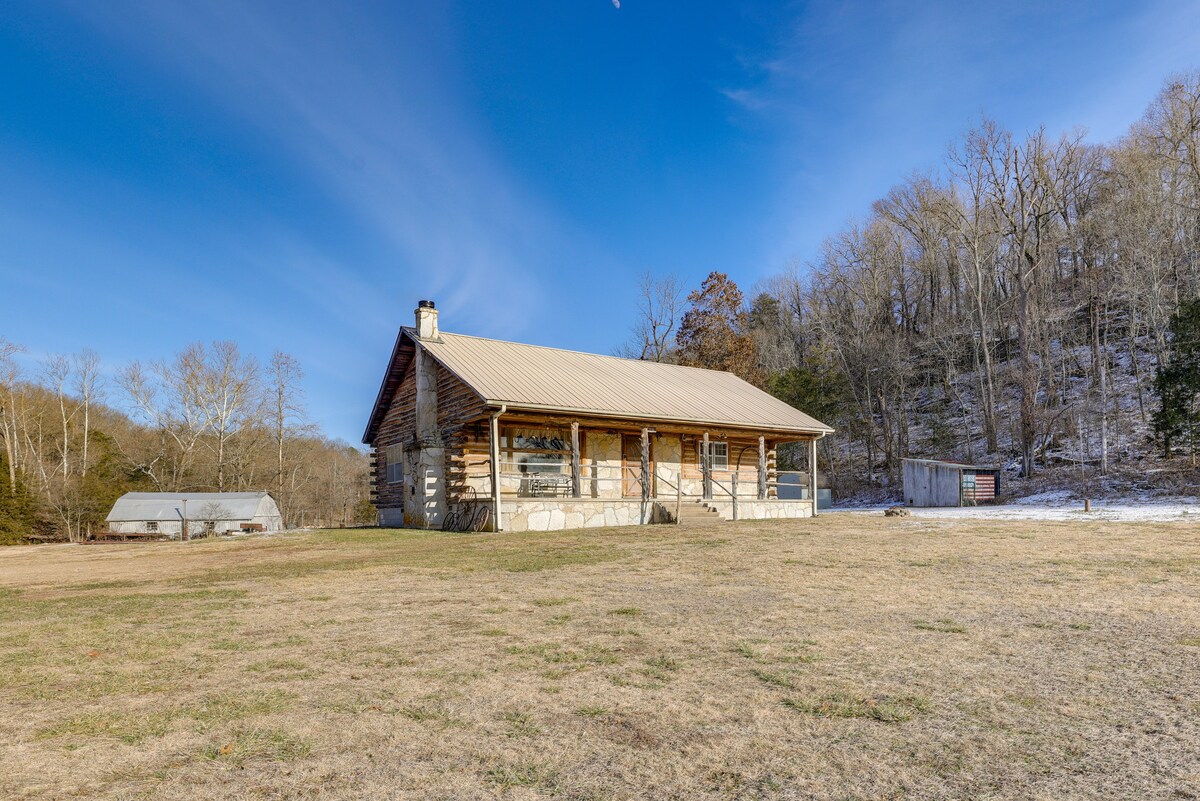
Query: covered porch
546	472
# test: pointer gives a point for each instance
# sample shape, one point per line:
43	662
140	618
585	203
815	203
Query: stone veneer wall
553	514
391	517
762	510
601	466
667	466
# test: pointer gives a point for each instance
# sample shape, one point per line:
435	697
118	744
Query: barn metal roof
135	506
533	377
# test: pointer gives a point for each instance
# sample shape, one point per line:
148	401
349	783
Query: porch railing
554	484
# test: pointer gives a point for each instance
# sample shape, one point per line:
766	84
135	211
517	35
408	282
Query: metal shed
928	482
206	513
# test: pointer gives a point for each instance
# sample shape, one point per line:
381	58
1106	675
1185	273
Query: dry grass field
850	657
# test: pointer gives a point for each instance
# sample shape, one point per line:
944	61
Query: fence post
734	483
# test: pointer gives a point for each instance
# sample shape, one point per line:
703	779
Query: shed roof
135	506
981	467
549	379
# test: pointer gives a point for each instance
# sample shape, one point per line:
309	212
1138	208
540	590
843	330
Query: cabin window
535	450
152	525
393	456
718	452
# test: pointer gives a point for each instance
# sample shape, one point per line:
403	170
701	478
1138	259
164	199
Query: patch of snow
1061	506
1048	498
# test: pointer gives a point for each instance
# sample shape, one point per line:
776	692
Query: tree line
1014	306
74	437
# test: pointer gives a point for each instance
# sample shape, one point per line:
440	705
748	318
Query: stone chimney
427	327
427	494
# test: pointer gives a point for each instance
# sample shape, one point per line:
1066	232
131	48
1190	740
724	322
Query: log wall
459	413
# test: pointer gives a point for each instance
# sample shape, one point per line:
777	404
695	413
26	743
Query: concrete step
700	523
698	513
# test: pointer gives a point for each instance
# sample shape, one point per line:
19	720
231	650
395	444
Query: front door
631	464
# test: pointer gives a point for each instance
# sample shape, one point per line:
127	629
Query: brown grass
849	657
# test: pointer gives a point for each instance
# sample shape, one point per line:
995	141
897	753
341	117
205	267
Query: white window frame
518	455
718	455
393	457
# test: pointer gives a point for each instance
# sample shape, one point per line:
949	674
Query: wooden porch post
762	468
494	437
646	477
706	462
679	482
576	470
812	474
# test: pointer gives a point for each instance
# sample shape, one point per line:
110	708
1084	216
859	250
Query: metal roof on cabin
536	377
135	506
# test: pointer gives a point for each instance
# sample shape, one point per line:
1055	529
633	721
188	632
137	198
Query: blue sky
297	175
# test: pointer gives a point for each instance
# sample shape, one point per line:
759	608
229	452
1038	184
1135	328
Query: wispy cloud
371	116
862	95
746	98
364	115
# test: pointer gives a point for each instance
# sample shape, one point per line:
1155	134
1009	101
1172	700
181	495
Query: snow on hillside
1069	448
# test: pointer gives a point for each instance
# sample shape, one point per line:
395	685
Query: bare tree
1019	181
659	301
285	403
9	430
169	398
976	230
209	515
89	389
230	399
56	371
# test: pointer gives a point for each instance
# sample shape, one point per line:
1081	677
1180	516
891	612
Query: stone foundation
556	514
753	509
391	517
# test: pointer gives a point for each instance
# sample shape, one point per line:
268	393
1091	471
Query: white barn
206	512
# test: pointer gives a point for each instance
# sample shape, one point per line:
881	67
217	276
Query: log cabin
479	434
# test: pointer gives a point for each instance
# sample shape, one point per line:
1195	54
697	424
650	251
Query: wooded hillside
1012	306
72	440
